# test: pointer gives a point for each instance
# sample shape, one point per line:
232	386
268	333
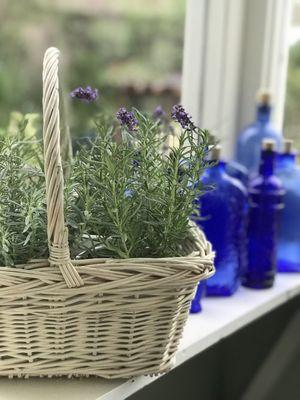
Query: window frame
231	49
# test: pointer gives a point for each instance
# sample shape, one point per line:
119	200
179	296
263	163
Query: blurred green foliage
131	50
292	103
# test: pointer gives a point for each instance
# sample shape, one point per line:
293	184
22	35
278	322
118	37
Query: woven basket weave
106	317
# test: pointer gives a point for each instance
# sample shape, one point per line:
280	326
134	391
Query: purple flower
127	119
159	113
87	95
180	115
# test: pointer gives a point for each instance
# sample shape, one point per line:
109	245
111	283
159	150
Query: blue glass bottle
265	196
238	171
249	141
222	211
196	302
288	254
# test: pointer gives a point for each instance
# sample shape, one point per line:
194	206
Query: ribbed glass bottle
265	196
288	254
249	141
223	213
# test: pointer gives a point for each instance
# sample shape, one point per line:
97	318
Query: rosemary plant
22	201
125	199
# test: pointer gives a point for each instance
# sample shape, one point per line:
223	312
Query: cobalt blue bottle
238	171
222	220
265	197
288	254
249	141
196	302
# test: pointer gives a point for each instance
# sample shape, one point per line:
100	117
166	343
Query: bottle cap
216	152
264	97
288	146
268	144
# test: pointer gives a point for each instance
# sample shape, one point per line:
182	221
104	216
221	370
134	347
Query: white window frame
232	48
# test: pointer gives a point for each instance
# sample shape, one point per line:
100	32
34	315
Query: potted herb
113	294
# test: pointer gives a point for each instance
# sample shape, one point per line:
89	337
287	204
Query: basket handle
59	252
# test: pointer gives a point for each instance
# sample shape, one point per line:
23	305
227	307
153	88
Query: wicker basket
106	317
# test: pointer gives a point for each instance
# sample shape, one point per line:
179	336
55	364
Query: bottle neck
263	113
286	160
267	162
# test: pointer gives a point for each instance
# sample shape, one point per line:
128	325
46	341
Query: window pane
292	104
131	50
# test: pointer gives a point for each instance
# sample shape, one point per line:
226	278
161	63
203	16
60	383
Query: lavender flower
159	113
180	115
87	95
127	119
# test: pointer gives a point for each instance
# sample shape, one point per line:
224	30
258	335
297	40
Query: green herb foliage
22	200
125	199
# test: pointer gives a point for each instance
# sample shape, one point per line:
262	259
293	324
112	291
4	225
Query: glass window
131	50
292	102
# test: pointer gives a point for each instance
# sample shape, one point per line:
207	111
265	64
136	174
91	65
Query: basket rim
109	260
191	263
